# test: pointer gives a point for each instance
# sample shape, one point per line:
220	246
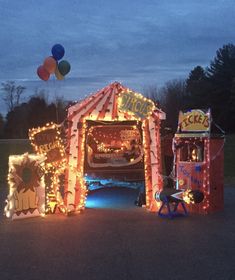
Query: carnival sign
194	121
136	104
47	141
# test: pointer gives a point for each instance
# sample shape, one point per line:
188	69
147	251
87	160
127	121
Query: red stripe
128	116
115	104
86	102
80	109
102	113
87	113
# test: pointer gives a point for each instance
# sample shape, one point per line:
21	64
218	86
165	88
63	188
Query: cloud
138	42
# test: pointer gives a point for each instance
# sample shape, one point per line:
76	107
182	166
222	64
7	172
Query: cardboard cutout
26	186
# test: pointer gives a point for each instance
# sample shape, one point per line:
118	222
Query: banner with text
194	121
136	104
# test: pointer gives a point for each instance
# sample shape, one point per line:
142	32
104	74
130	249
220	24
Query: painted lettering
139	106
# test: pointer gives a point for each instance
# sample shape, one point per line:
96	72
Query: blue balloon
57	51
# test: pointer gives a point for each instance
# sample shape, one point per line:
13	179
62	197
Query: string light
47	141
196	144
90	109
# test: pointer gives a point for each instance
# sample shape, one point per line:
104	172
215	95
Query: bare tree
154	93
61	106
12	94
41	93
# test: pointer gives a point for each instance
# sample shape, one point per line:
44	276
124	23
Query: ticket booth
199	159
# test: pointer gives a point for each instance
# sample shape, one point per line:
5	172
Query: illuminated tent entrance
114	134
114	158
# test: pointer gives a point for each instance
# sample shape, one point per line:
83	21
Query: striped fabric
103	105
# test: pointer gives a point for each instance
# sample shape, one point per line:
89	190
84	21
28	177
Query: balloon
42	73
64	67
58	75
50	64
57	51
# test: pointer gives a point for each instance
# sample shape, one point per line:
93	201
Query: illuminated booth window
191	152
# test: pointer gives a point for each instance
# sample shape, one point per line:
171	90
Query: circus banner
135	103
113	146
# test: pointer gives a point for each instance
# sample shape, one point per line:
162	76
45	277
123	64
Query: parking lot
113	239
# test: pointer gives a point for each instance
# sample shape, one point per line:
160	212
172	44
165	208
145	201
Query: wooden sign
194	121
47	141
136	104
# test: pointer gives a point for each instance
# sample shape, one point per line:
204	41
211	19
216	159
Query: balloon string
56	101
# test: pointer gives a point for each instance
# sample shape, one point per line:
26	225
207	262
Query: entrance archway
114	158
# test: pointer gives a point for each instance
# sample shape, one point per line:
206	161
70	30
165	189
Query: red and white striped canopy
102	105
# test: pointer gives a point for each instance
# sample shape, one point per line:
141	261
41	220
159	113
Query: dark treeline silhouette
34	113
212	87
1	126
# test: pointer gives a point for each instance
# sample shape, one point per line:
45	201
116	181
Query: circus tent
104	105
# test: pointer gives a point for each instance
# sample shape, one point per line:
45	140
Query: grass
17	147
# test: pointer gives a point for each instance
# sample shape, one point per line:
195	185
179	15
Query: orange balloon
58	75
50	64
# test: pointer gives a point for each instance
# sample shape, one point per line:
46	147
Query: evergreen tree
198	88
221	75
2	122
174	99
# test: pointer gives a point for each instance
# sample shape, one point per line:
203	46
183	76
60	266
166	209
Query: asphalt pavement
114	239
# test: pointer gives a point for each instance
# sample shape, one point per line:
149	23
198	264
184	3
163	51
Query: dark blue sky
139	43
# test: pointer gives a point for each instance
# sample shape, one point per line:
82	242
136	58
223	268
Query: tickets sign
194	121
136	104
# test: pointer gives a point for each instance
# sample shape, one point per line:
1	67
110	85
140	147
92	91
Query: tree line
22	116
210	87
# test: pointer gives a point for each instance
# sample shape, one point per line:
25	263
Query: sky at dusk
139	43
